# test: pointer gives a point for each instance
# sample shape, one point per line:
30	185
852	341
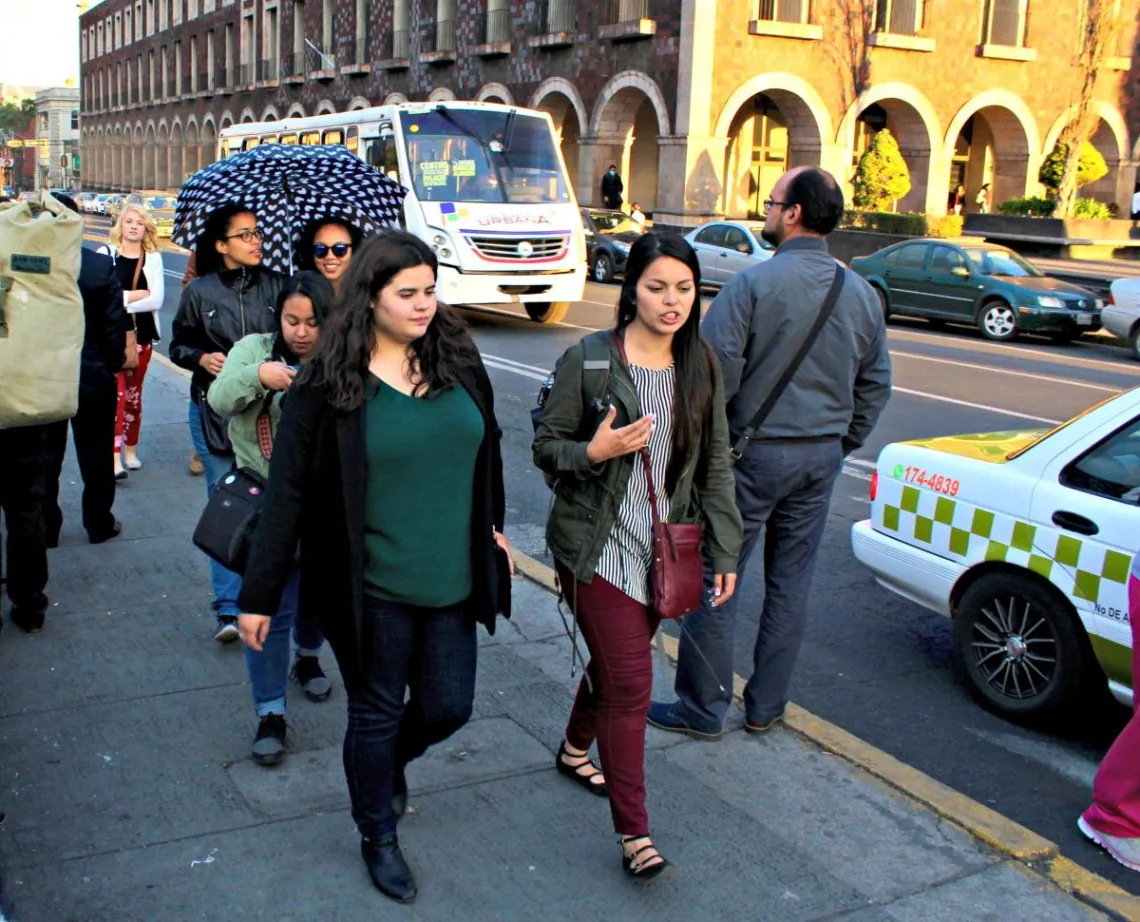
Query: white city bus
487	188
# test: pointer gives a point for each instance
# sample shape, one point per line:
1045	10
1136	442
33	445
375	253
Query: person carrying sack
232	297
803	345
41	337
646	463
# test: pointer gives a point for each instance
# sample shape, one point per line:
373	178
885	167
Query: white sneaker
1126	851
228	632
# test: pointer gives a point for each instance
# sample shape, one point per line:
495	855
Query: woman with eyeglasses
327	246
232	297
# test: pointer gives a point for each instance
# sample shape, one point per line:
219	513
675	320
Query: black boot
389	871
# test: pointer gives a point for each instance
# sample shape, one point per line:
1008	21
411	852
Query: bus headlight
441	243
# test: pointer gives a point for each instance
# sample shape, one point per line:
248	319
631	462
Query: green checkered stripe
953	528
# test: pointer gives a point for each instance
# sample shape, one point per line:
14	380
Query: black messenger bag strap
785	379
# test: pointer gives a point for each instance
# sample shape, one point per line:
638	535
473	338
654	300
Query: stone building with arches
700	103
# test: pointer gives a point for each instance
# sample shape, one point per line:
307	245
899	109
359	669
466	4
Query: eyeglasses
246	235
339	250
769	202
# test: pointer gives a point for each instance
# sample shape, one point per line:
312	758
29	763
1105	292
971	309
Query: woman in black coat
387	470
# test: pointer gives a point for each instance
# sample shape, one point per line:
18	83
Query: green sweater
420	495
239	394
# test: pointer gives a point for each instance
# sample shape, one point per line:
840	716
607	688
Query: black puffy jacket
219	309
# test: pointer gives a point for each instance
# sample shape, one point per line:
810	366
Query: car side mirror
961	272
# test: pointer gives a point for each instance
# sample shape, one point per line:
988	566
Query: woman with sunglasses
327	246
232	297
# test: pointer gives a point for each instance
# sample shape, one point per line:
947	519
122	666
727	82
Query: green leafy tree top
15	116
1091	167
882	177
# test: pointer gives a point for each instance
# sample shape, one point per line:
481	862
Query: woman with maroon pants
667	399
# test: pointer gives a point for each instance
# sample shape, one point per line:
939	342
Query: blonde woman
138	264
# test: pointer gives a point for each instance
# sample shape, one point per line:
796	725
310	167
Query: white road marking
490	362
977	406
1005	371
505	361
1075	768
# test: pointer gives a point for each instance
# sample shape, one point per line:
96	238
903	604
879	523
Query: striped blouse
628	552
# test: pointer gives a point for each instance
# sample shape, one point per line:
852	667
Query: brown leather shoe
197	469
761	728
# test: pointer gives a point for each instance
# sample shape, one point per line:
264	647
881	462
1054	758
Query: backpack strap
595	370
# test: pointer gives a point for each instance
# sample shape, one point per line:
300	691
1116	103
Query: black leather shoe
389	871
400	794
28	619
96	538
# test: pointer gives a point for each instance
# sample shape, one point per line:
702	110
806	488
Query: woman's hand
276	376
609	442
724	585
254	629
505	545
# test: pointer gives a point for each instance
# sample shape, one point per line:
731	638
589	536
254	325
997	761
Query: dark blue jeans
783	489
431	653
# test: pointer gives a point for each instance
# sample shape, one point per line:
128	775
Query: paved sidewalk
124	741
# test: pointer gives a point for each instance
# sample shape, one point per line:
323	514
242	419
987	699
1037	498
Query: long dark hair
304	251
345	347
692	358
317	289
207	259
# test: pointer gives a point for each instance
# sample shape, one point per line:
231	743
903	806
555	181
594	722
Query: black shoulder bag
785	379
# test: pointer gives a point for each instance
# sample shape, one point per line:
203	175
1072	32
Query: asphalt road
873	663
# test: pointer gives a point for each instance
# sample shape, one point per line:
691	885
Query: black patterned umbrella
287	186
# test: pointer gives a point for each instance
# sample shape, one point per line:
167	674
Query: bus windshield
472	155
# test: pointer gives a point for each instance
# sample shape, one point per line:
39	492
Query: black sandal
573	772
645	869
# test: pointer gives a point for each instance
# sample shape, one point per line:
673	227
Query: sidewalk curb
995	830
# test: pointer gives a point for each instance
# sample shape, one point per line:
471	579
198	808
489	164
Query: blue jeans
269	669
429	651
783	490
227	584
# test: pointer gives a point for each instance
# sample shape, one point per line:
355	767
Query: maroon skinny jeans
618	631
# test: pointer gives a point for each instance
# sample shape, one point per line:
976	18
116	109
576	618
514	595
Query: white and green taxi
1025	540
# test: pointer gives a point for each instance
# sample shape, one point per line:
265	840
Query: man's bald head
806	201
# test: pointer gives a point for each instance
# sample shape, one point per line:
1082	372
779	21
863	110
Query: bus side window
382	155
352	140
269	139
288	139
250	143
333	136
311	137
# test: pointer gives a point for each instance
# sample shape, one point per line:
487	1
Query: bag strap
595	371
138	272
785	379
644	452
265	428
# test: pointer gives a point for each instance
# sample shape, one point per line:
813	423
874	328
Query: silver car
727	247
1121	315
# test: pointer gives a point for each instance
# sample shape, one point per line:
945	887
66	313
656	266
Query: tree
847	26
1098	36
882	176
1090	167
14	117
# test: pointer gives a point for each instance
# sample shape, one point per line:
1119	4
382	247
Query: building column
1125	186
938	182
691	180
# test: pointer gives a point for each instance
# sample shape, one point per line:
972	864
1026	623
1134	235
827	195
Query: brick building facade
702	103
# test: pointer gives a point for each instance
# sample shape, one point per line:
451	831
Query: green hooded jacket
238	393
588	497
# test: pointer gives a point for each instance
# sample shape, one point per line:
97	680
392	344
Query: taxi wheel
603	270
547	311
1020	644
997	321
883	302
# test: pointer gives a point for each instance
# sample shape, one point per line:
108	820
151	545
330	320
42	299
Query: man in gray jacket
785	476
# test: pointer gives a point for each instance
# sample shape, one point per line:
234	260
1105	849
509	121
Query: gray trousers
783	489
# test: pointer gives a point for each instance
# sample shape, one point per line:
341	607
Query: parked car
1121	315
84	200
609	235
727	247
980	284
1025	540
100	204
161	208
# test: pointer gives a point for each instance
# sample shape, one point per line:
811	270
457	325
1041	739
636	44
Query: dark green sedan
983	285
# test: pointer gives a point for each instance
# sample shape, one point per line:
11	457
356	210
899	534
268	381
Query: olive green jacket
238	393
588	497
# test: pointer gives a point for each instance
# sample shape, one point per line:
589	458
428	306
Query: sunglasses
339	250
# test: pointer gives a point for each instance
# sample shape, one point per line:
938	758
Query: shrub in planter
1090	168
882	177
1035	207
912	224
1091	210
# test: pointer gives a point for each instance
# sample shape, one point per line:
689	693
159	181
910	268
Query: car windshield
760	241
614	222
1002	262
157	204
471	155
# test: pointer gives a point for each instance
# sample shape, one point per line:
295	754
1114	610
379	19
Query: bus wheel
547	311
